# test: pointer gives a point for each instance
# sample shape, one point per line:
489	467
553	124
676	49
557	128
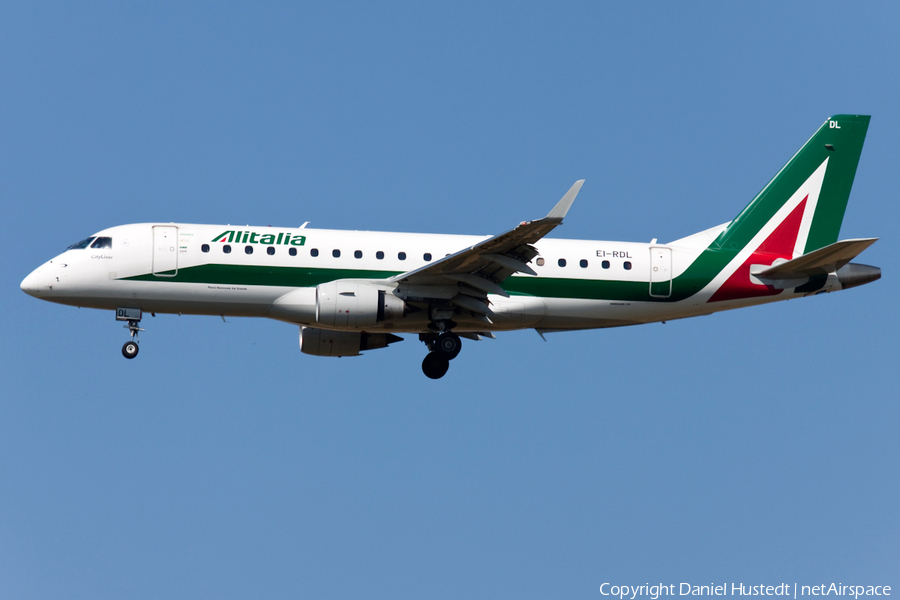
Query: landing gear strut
443	347
133	316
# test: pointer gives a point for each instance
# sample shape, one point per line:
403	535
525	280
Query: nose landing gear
443	348
130	349
133	316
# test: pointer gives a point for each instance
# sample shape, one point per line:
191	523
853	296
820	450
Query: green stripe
550	287
262	275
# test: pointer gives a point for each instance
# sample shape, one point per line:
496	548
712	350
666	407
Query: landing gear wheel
435	365
130	349
448	344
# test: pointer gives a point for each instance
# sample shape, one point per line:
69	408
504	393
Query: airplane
354	291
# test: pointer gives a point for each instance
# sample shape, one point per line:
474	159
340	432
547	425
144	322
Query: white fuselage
177	268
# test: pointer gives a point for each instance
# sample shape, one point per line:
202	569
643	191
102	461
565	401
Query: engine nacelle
322	342
349	304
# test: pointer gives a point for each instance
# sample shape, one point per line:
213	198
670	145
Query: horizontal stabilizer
818	262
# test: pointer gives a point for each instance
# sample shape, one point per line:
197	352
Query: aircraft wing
478	270
818	262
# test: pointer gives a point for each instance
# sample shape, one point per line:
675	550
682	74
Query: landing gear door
660	271
165	250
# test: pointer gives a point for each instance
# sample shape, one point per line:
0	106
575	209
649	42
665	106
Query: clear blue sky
754	446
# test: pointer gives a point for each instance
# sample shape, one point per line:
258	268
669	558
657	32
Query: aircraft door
165	250
660	272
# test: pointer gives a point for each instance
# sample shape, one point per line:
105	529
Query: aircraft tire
130	350
435	365
448	344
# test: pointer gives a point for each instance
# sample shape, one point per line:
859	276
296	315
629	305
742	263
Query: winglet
562	207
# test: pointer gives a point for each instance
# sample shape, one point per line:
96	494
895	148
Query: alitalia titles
254	237
631	592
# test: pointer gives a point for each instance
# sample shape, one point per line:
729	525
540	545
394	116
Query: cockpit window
81	245
102	242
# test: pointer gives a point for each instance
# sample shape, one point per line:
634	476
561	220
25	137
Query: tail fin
801	209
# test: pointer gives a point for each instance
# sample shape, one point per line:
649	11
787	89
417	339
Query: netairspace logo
654	592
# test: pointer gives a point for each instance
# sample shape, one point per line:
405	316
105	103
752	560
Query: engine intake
322	342
348	304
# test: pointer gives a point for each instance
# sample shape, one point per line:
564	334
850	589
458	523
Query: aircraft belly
567	313
211	299
173	297
516	312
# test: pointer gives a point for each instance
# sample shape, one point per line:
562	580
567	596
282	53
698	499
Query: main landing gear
443	347
133	316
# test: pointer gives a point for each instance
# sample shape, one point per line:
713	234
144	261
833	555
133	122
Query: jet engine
349	304
322	342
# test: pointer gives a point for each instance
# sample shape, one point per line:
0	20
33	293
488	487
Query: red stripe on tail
779	244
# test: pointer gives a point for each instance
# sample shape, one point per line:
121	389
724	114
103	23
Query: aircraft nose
33	284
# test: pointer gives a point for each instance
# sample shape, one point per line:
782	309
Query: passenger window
583	264
248	249
270	251
336	253
427	256
226	249
401	255
357	254
81	245
605	264
314	252
540	262
102	242
205	247
561	262
292	251
379	255
627	266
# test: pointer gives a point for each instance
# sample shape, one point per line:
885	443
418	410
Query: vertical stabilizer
811	189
